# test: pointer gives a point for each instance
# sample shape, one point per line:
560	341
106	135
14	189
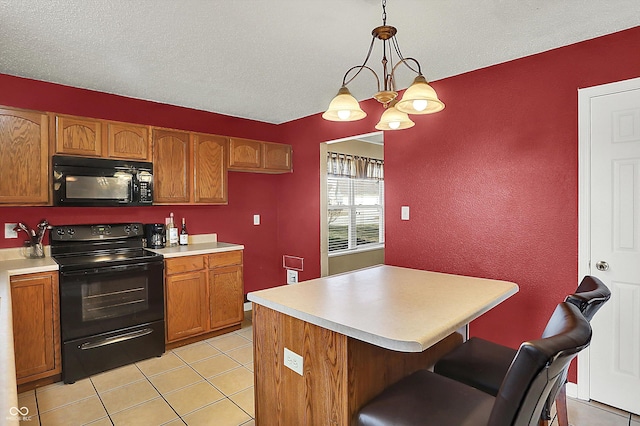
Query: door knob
602	266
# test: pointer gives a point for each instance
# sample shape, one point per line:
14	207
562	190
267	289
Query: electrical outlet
293	361
8	230
292	276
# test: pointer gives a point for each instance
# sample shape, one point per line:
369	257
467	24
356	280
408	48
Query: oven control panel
96	232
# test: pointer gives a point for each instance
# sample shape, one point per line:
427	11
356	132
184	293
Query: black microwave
95	182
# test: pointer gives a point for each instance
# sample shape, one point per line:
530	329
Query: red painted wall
492	181
249	194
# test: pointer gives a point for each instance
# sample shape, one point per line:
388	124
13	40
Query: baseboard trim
572	390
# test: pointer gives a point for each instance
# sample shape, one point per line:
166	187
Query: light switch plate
404	213
293	361
256	219
8	230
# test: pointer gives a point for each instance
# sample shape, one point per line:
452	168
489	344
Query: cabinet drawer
225	258
184	264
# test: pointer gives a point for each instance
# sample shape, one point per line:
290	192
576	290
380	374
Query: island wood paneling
340	374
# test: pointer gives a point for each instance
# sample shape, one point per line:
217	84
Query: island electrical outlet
293	361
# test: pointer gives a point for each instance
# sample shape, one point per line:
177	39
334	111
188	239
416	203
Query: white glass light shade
392	119
344	107
420	98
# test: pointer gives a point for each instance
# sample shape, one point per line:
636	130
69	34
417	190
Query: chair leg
561	406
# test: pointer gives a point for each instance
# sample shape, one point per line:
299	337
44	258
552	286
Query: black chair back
590	295
537	366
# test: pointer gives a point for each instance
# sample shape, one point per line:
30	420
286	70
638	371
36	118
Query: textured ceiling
277	60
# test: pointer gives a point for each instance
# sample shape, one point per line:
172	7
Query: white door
615	247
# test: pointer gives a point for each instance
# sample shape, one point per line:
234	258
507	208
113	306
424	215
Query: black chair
425	398
483	364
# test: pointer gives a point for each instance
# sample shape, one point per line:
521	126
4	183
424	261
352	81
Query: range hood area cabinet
189	168
100	138
24	157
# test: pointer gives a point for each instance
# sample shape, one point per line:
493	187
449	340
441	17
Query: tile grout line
227	397
101	401
160	393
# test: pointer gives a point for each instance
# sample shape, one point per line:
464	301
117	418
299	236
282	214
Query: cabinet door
171	166
128	141
277	156
24	157
226	294
186	305
36	325
210	169
78	136
245	154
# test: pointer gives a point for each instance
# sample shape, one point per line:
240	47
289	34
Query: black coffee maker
154	232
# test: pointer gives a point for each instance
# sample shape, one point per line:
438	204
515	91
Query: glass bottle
173	232
184	235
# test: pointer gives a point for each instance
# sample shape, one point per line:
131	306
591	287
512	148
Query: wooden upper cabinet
209	169
128	141
245	154
78	136
101	138
24	157
276	156
171	166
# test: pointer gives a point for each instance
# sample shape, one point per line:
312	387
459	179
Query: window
355	211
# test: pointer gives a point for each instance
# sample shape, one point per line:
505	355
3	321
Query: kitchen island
324	347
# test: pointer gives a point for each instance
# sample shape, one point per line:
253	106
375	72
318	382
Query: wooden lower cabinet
204	296
36	326
187	305
226	295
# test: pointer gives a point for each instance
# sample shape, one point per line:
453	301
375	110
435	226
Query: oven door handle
116	339
116	268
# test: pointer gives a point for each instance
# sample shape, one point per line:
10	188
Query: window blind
355	213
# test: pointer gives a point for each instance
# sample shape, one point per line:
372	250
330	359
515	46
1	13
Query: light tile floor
205	383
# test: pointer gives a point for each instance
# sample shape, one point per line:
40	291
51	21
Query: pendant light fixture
419	98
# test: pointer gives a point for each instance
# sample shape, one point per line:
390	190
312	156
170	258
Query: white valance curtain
353	166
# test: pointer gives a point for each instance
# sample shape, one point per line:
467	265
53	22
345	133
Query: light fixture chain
384	12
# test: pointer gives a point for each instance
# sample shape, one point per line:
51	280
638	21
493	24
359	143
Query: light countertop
197	248
401	309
